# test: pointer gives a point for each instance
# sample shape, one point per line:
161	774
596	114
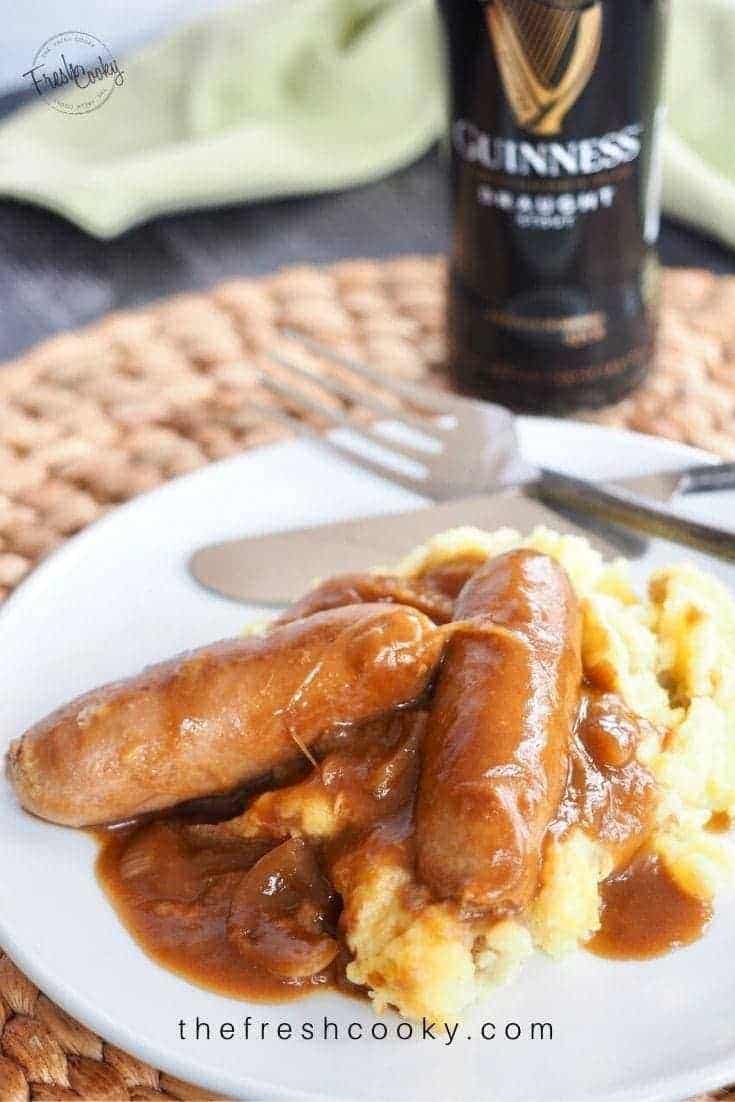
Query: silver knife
278	567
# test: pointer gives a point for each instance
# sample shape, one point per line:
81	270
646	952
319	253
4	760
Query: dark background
54	277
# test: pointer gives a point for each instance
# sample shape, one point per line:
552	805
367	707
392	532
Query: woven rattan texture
91	418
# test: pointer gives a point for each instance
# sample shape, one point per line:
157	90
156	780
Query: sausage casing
433	592
496	749
218	717
354	589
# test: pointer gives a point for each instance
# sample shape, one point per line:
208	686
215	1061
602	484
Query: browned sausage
218	717
432	593
353	589
496	748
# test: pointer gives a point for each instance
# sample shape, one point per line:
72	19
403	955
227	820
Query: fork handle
631	511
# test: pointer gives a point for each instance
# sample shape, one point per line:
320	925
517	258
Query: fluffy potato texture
670	653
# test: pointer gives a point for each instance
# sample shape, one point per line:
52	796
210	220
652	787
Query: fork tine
302	428
339	420
360	397
416	393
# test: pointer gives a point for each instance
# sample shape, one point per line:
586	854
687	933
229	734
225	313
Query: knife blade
278	567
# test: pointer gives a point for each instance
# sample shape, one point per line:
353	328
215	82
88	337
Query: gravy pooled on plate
412	779
174	884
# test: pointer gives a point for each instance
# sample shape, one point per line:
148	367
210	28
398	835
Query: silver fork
454	446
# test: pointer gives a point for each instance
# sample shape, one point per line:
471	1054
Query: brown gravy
173	888
719	822
608	792
645	913
176	883
449	578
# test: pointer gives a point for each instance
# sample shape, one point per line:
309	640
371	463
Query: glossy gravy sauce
608	792
259	919
645	913
175	890
719	822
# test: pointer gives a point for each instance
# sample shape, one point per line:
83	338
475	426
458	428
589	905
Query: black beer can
555	131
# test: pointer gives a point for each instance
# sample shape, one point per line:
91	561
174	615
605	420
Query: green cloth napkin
699	145
285	97
274	98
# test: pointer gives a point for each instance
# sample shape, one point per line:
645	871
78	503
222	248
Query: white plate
117	597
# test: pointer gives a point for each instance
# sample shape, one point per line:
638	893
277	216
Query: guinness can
555	134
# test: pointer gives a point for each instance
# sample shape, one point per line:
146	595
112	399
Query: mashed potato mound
670	654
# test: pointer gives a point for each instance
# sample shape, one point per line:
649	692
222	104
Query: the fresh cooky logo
74	72
546	54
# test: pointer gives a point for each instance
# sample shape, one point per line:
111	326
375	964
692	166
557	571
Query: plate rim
661	1089
70	545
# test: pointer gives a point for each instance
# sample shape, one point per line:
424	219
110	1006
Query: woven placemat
91	418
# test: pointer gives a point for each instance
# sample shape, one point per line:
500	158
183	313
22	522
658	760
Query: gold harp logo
546	55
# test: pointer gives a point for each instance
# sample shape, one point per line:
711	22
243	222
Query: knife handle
707	477
630	511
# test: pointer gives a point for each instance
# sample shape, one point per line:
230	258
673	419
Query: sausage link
221	716
354	589
497	743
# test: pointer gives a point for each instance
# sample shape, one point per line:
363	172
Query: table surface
54	277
